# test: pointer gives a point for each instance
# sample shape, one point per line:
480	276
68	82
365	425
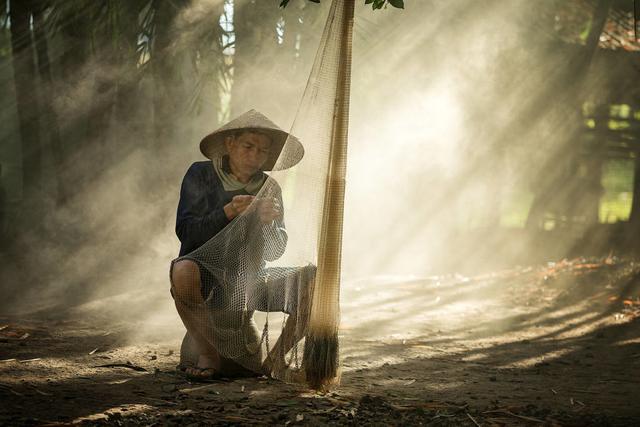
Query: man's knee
309	271
185	280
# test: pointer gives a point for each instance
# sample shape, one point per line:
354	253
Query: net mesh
289	265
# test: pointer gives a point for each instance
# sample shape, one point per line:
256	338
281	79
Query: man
220	277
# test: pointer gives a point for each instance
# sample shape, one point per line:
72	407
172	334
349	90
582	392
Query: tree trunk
570	88
128	73
634	217
25	78
75	32
3	13
47	93
255	28
165	74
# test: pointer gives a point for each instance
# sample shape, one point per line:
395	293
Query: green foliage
617	182
515	207
622	111
284	3
618	124
375	4
379	4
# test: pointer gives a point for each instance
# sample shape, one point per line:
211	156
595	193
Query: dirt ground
556	344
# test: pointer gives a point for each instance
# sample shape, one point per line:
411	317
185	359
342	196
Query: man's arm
194	225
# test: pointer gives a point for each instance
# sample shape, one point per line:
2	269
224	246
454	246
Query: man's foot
206	369
201	374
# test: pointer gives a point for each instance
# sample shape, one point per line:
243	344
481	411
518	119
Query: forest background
482	133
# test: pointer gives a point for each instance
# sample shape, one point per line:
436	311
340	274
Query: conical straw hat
212	146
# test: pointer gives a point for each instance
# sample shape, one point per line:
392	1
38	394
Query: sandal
202	375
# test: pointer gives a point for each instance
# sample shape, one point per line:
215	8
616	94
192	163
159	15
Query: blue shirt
201	214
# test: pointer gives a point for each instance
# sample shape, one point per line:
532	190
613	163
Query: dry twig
585	391
122	365
472	419
511	414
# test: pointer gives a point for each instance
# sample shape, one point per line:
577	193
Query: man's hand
268	210
237	205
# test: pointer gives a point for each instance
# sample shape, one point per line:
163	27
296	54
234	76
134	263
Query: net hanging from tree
292	263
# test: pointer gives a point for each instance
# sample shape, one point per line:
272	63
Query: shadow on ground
555	344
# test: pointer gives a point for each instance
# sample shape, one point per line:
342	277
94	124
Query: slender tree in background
72	23
192	71
49	117
255	27
115	39
25	78
634	217
568	91
164	68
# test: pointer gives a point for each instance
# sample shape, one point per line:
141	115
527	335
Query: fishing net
290	265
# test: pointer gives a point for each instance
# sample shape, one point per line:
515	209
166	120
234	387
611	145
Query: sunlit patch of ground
543	335
558	343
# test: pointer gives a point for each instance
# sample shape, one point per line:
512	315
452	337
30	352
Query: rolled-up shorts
275	289
281	289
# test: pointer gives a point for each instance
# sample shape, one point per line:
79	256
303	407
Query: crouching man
230	220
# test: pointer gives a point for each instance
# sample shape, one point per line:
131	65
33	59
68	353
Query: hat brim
213	146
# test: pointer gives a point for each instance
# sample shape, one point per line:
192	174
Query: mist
461	113
488	268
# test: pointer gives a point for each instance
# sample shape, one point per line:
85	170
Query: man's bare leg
186	285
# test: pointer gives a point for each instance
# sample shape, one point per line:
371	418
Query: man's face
248	152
